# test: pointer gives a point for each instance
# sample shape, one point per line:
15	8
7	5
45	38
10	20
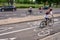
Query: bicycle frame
46	23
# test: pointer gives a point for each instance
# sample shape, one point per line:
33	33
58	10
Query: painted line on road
56	22
20	30
16	31
4	29
9	38
56	19
14	14
12	38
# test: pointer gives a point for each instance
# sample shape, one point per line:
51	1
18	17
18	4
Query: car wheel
13	9
2	10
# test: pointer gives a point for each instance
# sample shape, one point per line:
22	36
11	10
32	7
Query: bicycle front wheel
51	22
42	24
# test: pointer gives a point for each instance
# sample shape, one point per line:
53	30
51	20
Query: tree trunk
57	4
49	4
44	4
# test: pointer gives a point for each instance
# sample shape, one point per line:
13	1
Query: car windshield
8	6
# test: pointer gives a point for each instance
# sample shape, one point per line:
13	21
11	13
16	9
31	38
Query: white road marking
4	39
9	18
16	31
12	38
7	15
19	30
10	28
4	29
9	38
28	23
57	22
56	19
44	32
14	14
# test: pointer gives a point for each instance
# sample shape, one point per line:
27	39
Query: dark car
45	7
0	8
8	8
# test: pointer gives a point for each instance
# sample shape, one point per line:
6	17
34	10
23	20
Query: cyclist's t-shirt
30	9
47	14
51	13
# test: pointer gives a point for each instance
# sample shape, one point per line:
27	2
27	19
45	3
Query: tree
44	2
38	1
57	2
50	2
10	2
3	1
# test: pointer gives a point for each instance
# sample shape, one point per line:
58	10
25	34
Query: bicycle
45	23
29	12
43	31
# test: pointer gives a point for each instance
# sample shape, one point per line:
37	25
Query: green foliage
28	5
56	2
24	1
38	1
2	1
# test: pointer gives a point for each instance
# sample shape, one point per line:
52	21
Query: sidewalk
52	37
24	19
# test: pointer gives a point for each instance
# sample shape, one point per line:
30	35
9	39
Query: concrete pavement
24	19
29	34
52	37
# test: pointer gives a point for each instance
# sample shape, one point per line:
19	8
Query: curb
24	19
52	37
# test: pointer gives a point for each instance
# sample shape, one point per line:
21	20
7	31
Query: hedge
28	5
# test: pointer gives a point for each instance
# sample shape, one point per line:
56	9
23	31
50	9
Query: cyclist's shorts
30	10
47	16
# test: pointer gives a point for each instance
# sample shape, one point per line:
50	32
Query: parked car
0	8
8	8
45	7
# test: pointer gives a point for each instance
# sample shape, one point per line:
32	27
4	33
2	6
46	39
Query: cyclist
30	10
40	9
48	15
51	13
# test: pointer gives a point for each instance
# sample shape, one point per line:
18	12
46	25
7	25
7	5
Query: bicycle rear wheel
42	24
51	22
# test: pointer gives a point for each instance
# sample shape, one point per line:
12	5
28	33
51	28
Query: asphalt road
23	13
25	31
